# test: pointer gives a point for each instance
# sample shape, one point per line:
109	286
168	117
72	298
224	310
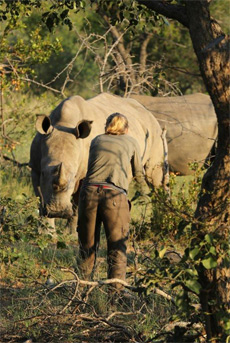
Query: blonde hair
116	124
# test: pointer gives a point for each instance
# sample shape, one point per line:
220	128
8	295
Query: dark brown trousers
108	206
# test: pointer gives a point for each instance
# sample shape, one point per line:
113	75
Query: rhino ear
83	128
43	125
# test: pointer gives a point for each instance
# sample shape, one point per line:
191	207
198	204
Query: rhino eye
55	187
58	188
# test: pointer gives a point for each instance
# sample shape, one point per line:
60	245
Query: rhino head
56	190
61	165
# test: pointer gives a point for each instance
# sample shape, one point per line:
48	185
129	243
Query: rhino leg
72	225
157	176
154	175
72	222
36	185
49	222
36	182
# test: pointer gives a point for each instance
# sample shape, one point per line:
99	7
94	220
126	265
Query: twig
40	84
119	314
16	163
72	299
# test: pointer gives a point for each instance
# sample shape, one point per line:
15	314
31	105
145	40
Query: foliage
19	223
22	48
178	254
71	69
166	214
64	60
15	181
71	54
41	60
18	114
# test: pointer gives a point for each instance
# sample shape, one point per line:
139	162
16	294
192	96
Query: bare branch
16	163
109	282
40	84
143	52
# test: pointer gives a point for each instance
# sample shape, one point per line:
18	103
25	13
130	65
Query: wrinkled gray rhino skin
59	151
191	125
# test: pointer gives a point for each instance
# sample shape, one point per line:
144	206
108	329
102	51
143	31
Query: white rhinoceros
59	151
191	125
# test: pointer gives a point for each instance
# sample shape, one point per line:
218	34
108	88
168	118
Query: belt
101	186
107	187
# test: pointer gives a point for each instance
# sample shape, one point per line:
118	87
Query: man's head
116	124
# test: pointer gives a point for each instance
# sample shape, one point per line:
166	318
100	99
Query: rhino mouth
65	213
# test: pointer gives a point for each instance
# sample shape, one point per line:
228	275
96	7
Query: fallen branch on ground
110	282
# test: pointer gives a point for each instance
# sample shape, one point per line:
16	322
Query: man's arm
138	172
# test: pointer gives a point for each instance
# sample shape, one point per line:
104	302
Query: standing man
103	197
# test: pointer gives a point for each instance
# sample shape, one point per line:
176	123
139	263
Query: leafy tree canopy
61	59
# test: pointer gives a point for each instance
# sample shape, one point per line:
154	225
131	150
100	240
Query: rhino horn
62	181
43	125
83	128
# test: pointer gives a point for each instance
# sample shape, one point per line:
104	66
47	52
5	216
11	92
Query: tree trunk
211	46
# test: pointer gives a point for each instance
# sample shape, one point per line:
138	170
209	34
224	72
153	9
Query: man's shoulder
131	139
104	137
98	137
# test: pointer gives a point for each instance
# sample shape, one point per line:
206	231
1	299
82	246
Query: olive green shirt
113	159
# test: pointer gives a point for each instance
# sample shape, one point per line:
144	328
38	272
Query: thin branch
16	163
177	12
181	70
40	84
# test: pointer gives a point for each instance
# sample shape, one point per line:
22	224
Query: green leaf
227	327
209	238
194	285
82	4
212	250
162	252
193	253
209	263
64	14
191	272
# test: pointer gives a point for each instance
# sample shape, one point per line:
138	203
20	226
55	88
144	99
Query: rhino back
70	111
191	126
193	112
